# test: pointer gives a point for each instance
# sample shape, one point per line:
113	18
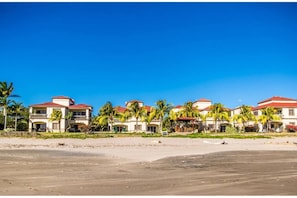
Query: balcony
79	117
38	116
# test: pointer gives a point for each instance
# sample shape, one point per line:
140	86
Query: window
291	112
137	127
79	113
291	123
55	126
152	128
279	111
41	111
256	113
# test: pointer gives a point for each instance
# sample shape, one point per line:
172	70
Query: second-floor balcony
38	115
79	117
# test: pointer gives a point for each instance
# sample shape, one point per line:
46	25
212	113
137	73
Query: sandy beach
148	166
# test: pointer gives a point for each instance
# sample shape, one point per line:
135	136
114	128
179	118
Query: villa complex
40	116
73	115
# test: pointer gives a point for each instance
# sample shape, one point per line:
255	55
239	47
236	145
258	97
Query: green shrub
231	130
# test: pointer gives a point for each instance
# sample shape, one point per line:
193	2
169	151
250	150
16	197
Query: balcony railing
77	117
38	116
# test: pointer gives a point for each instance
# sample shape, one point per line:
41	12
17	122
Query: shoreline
137	149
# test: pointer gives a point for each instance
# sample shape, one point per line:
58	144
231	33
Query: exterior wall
130	124
201	105
64	102
288	119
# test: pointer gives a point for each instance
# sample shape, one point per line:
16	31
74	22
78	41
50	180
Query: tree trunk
5	117
136	128
161	125
16	123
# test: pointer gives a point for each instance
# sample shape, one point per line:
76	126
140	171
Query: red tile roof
120	109
47	104
63	97
148	108
79	106
279	98
178	106
276	105
203	100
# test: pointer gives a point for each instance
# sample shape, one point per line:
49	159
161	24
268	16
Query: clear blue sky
233	53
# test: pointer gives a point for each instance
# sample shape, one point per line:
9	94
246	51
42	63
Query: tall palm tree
148	116
203	118
161	110
172	117
68	117
5	93
244	116
57	116
189	111
107	114
268	115
16	108
135	110
218	113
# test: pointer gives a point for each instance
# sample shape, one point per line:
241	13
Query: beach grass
79	135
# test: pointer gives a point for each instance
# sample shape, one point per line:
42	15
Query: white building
130	124
186	124
40	114
286	110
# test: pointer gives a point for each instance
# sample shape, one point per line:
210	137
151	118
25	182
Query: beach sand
148	166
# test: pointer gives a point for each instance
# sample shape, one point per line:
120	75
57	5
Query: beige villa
130	124
40	114
189	124
286	110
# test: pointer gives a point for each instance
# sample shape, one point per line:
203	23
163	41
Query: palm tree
56	116
189	111
5	93
149	115
16	108
135	110
245	115
203	118
218	113
161	110
107	114
172	117
268	115
68	117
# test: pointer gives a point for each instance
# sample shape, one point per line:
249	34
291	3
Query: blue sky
233	53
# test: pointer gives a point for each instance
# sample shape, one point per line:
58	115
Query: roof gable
79	106
276	105
279	98
47	104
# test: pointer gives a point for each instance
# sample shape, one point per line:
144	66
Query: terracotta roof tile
279	98
47	104
120	109
79	106
203	100
277	105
